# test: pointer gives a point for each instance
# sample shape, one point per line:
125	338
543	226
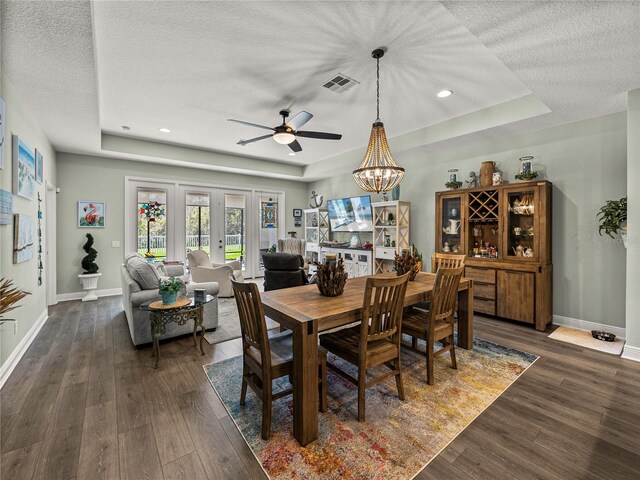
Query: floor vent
340	83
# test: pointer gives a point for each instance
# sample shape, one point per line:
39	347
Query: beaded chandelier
378	171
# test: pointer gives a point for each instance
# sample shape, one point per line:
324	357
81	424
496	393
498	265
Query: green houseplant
169	289
89	276
613	218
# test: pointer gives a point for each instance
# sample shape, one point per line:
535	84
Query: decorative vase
623	233
486	173
169	298
395	193
89	284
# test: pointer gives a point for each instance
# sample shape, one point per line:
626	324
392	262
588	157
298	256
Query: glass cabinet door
521	230
450	225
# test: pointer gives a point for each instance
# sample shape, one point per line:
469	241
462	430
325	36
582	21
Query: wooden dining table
307	313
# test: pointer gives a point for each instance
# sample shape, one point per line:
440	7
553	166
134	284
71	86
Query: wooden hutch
505	232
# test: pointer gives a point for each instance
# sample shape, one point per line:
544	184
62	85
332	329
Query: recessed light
165	130
444	93
292	154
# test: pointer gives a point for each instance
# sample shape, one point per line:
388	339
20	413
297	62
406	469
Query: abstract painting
6	207
22	238
24	169
91	214
39	166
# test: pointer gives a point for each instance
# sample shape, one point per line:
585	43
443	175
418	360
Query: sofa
203	271
283	270
140	283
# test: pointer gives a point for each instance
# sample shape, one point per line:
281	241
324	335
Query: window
152	223
198	222
235	229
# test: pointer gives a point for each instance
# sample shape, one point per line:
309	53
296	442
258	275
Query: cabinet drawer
484	306
313	247
388	253
484	275
484	290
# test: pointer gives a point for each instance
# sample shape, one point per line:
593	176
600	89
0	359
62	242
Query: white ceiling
91	67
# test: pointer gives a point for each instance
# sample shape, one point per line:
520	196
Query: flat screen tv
351	214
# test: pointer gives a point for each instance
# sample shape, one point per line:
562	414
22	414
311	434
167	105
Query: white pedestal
89	283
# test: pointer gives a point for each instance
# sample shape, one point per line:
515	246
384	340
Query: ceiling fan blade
295	146
251	140
322	135
299	120
250	124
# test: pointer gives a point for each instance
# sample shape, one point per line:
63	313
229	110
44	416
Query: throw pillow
143	272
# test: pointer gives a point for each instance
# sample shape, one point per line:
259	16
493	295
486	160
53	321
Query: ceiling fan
286	133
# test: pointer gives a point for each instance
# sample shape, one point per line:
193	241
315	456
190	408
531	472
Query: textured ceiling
85	67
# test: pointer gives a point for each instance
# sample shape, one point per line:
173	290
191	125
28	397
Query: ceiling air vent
340	83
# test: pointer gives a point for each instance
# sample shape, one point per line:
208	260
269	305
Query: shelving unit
389	237
505	233
316	231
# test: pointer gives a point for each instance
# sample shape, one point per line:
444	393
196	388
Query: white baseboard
108	292
586	325
8	366
631	353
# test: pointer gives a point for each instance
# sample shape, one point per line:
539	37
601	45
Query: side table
184	310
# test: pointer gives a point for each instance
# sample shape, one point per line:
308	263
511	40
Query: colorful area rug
398	438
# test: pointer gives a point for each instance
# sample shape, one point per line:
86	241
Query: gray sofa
140	283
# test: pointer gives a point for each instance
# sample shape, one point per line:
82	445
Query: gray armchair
140	283
202	270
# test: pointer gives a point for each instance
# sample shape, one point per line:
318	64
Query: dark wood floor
83	403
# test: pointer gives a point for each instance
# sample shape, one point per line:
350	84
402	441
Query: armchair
202	270
283	270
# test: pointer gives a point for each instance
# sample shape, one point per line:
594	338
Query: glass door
270	226
521	231
451	225
152	236
198	221
232	244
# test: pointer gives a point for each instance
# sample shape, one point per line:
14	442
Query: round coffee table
185	309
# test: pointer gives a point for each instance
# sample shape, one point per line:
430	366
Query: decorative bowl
604	336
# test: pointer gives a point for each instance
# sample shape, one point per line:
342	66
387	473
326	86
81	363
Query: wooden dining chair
437	324
266	359
376	341
446	260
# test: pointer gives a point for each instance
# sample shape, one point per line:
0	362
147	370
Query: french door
218	221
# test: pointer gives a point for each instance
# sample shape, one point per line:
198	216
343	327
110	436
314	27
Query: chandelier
378	171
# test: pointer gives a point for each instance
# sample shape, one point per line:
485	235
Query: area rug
229	322
583	338
398	438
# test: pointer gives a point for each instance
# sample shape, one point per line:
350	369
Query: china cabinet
505	233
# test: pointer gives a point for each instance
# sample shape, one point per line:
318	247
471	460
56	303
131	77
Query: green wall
82	177
586	161
20	121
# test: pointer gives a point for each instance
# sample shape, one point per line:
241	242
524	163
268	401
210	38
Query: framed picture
2	122
297	212
24	169
91	214
6	207
22	238
39	166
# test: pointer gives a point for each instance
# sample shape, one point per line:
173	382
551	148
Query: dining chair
437	324
266	359
376	341
446	260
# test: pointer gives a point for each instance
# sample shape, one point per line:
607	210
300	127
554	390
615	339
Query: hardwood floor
83	403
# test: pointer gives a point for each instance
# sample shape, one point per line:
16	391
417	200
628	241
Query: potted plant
169	289
613	218
391	219
9	296
90	275
417	255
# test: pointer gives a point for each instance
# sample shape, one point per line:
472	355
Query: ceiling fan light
284	138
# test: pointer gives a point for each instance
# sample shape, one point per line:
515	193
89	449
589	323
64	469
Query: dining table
307	314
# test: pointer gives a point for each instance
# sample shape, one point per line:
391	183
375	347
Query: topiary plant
88	262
